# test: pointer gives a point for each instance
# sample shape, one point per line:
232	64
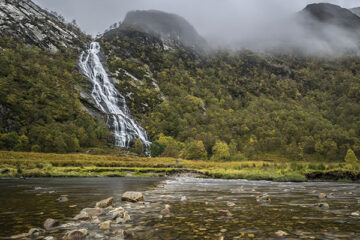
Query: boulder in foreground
132	197
105	203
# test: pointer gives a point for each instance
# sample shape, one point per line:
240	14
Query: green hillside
243	103
40	108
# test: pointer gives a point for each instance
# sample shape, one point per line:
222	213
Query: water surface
195	206
28	203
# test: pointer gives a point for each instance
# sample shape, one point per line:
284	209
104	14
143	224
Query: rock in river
322	195
89	213
132	197
78	234
50	224
263	198
166	211
63	199
226	213
322	205
105	225
281	233
105	203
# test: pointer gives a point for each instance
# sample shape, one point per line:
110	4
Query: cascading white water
110	101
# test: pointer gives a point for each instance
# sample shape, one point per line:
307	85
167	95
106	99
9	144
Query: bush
194	150
220	152
156	149
351	157
238	157
36	148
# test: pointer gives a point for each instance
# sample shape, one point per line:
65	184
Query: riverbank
17	164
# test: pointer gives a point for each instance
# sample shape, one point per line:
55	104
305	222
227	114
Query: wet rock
93	212
105	203
82	216
119	233
51	223
63	199
49	238
123	218
226	213
322	195
132	197
166	211
322	205
230	204
117	212
77	234
263	198
281	233
95	220
70	225
356	214
35	232
105	225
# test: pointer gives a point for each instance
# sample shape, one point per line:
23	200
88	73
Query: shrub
194	150
351	157
221	151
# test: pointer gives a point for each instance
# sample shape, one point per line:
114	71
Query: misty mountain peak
355	11
332	14
170	28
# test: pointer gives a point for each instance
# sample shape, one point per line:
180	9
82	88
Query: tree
156	149
172	147
220	151
351	157
194	150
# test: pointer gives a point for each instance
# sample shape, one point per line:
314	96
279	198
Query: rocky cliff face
22	19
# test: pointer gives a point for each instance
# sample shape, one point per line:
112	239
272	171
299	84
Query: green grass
16	164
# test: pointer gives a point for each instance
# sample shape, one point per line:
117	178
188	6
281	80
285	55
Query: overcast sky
208	16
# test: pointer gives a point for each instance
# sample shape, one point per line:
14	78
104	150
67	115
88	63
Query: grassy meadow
19	164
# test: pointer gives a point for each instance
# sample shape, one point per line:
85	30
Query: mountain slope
301	107
355	11
40	107
22	19
332	15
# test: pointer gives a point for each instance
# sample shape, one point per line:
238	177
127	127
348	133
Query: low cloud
255	24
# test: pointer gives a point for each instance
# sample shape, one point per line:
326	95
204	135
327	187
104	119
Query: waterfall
109	100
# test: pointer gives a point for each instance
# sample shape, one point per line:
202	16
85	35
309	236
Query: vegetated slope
236	105
40	108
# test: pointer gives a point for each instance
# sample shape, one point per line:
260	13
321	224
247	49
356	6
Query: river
196	207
